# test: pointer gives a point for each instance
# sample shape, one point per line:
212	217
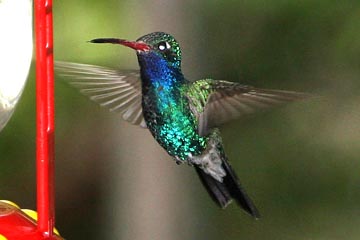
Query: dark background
300	163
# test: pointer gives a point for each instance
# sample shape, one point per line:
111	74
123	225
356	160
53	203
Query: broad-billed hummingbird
182	115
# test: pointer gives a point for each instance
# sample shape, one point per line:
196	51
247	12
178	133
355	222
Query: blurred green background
300	163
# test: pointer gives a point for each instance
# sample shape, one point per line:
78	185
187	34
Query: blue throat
157	72
166	109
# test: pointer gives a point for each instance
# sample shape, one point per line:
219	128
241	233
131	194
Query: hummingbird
183	116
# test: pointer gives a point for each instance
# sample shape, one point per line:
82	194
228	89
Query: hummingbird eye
162	46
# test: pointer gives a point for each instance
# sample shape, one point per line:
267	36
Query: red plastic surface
16	225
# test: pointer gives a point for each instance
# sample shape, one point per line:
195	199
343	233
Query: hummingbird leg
178	161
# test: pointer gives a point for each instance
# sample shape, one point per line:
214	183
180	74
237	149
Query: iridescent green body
169	118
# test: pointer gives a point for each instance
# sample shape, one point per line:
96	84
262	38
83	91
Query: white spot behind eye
164	45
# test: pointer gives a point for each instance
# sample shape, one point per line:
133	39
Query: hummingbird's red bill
140	46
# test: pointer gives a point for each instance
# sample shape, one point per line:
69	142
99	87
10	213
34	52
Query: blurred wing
216	102
120	91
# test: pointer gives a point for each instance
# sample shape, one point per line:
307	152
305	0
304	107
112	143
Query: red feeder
17	224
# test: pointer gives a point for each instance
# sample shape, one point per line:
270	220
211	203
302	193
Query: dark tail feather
237	192
230	188
216	190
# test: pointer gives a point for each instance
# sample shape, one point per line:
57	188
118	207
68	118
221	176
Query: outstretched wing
216	102
120	91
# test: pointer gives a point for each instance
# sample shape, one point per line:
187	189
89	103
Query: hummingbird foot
178	161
